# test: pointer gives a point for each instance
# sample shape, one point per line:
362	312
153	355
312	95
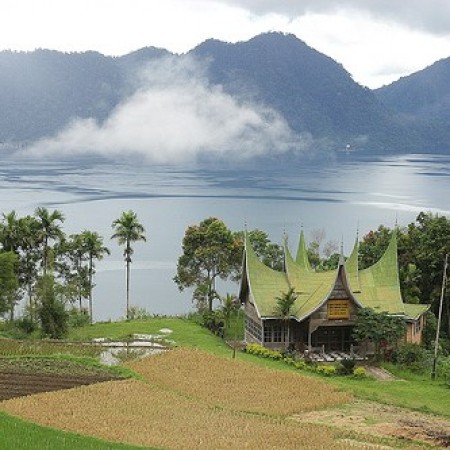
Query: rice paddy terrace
190	399
187	398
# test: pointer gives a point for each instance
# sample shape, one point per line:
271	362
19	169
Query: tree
29	256
9	232
378	327
210	251
49	229
426	242
51	312
230	305
283	309
373	246
8	283
269	253
95	250
69	265
127	230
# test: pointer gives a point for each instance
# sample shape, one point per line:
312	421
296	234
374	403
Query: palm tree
127	229
49	229
283	309
9	232
28	227
93	244
229	306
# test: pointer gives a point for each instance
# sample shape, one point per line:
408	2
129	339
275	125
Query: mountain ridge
43	91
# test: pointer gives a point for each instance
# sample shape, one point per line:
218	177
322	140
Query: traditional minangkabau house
323	314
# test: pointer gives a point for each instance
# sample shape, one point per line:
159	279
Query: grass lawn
415	392
185	332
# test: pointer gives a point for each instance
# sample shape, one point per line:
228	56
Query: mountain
424	94
313	92
423	100
43	91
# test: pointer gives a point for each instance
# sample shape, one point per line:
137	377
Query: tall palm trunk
90	288
128	257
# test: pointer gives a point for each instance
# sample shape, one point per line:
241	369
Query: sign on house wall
338	309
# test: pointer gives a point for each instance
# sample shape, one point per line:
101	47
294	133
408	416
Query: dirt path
384	420
379	373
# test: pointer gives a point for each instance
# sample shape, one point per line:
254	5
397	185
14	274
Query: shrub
444	369
78	318
326	370
213	320
359	372
346	366
26	324
413	357
259	350
138	313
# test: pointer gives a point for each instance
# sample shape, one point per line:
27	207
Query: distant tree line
48	270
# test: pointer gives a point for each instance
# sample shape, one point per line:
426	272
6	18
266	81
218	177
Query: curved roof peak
302	253
352	267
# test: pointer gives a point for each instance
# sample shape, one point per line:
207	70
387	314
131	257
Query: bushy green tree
8	283
378	328
52	313
269	253
210	252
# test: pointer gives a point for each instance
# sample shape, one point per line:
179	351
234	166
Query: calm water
340	197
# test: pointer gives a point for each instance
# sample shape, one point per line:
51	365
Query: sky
377	41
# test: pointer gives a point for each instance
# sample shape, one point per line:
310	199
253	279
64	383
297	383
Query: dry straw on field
136	413
237	385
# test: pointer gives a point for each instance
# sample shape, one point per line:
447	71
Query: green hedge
322	369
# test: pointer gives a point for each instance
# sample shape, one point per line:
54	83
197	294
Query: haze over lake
339	196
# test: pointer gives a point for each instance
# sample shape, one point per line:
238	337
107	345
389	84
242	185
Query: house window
277	334
417	327
273	332
253	328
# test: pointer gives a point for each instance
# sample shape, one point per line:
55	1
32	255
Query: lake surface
340	196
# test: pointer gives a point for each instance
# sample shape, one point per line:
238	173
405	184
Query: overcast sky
377	41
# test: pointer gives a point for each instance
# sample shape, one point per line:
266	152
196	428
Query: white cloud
177	116
432	16
367	36
350	39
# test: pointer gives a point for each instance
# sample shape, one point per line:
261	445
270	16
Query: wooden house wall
414	330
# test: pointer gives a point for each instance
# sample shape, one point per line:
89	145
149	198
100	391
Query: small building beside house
323	314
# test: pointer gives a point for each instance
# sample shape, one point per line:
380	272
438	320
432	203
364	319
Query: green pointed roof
311	287
352	268
414	311
265	283
302	253
380	284
377	287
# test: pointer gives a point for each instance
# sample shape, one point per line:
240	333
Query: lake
340	196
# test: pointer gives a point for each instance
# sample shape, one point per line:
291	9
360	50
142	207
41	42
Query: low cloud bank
176	115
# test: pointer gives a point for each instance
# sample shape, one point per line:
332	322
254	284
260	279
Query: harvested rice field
188	399
235	384
134	412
